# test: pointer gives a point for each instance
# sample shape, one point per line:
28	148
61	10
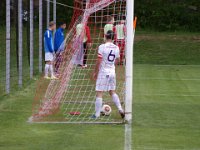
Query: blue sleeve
48	39
56	37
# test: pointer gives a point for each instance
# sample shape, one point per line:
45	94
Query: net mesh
56	100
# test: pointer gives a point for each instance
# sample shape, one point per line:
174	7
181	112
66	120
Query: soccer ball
106	110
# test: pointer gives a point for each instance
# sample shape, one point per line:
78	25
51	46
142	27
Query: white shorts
49	56
106	82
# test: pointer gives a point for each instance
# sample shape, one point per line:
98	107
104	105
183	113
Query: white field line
128	137
67	122
183	95
153	148
177	65
174	79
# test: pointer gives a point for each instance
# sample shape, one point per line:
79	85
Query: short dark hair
110	35
51	23
109	18
62	23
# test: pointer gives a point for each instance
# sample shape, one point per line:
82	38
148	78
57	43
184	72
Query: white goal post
129	75
129	61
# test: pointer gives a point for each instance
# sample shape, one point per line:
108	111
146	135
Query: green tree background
159	15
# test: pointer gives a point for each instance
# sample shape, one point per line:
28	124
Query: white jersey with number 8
106	79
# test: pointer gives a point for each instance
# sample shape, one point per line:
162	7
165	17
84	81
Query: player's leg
47	65
119	44
50	59
85	54
101	85
46	70
117	102
122	51
52	71
98	103
51	68
113	94
57	62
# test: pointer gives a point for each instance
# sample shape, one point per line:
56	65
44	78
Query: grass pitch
166	105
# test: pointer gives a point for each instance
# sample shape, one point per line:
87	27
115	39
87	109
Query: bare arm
117	61
96	71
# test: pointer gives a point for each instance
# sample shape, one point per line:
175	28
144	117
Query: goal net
71	99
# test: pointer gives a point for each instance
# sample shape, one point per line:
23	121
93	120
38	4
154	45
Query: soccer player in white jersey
120	33
108	55
109	25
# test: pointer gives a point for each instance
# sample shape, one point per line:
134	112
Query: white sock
98	106
116	100
51	70
46	70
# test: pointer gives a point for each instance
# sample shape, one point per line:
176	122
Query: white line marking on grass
128	137
184	95
147	148
75	122
174	79
177	65
153	148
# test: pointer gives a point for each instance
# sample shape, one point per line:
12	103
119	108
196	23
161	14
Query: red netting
74	91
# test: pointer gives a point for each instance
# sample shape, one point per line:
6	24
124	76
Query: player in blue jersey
59	37
59	45
49	51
